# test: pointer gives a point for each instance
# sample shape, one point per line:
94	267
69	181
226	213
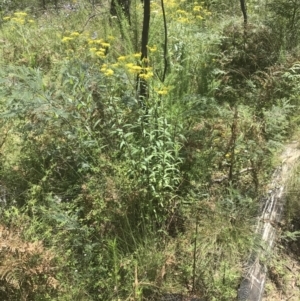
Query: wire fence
268	222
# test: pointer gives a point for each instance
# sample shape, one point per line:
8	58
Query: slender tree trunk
142	83
165	42
244	10
44	4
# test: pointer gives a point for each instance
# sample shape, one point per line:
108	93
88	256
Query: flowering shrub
182	11
18	18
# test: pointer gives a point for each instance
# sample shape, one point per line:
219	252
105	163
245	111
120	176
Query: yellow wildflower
6	18
135	69
106	45
31	21
20	14
104	68
100	41
110	38
75	34
145	60
93	49
162	92
146	75
18	20
183	20
100	53
137	55
109	72
66	39
152	49
197	8
180	11
129	65
150	74
121	58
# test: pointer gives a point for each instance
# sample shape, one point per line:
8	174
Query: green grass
137	201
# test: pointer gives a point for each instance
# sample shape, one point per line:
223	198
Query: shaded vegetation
107	197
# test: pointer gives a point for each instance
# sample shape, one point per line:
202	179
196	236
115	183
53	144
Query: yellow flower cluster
20	14
75	34
131	64
135	69
182	11
147	74
171	3
197	9
132	67
98	42
101	52
152	49
122	58
128	58
19	18
99	47
106	70
67	39
163	90
72	36
96	48
81	44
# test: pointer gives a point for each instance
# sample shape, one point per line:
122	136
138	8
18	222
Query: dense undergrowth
107	199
